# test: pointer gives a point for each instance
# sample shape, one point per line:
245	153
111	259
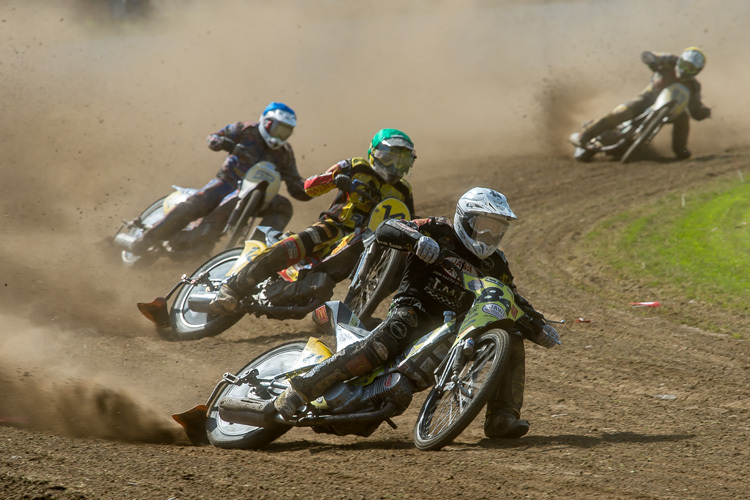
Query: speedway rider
668	69
247	144
390	157
429	287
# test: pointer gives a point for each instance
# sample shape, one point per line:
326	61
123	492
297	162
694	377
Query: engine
352	399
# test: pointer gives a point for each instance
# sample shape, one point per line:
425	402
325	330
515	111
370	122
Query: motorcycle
239	209
293	292
462	360
630	138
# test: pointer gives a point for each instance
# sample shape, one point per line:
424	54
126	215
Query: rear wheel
378	279
153	214
450	408
655	123
225	434
191	325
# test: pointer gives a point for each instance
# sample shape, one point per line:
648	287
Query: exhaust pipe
247	411
125	241
198	301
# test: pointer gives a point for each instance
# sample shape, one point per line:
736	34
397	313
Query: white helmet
482	217
691	62
277	123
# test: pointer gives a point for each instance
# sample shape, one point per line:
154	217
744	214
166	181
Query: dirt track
635	404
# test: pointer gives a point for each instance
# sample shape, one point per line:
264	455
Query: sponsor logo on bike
494	310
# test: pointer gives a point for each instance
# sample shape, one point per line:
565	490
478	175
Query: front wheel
191	325
649	131
225	434
452	406
242	228
378	278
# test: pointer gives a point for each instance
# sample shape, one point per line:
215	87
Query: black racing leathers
426	291
437	286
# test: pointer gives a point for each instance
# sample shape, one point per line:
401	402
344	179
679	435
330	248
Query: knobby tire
648	133
435	428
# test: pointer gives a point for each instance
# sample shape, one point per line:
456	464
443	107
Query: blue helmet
276	124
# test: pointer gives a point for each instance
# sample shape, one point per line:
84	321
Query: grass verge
694	245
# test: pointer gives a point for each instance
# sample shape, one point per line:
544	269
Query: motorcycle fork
453	365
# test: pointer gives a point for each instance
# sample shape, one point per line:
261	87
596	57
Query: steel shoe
502	424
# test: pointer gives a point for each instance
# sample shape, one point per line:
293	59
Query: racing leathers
246	147
663	65
349	211
425	292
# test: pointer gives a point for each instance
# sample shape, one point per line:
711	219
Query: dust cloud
102	113
46	385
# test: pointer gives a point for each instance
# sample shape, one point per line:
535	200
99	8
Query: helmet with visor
691	62
481	220
277	123
391	155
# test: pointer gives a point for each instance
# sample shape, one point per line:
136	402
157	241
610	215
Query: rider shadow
280	336
575	441
313	447
549	442
650	154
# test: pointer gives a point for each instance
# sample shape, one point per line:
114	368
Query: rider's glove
217	142
427	249
650	59
548	337
700	113
227	144
343	182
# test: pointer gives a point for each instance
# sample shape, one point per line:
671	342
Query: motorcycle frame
483	315
675	95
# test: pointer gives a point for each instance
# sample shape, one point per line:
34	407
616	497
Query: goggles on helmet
395	159
278	129
687	68
487	229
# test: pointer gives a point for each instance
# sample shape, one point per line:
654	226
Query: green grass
700	250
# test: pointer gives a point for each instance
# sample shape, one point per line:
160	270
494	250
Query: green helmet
391	154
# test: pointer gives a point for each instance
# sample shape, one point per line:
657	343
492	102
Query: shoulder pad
359	161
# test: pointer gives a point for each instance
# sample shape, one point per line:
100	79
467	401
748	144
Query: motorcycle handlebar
362	189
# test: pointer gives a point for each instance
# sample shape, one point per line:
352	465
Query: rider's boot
504	424
225	301
502	420
269	261
590	131
288	402
680	132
